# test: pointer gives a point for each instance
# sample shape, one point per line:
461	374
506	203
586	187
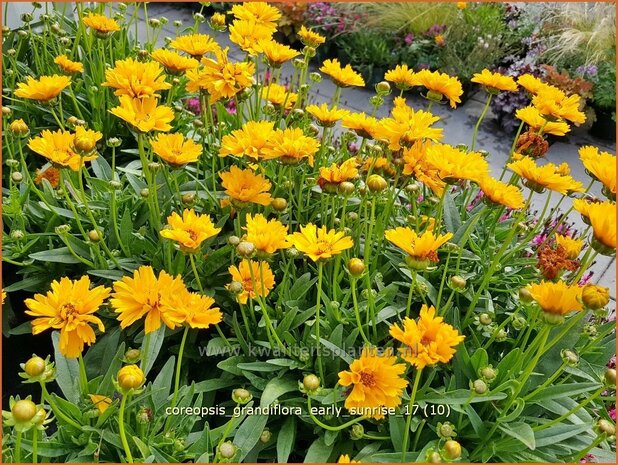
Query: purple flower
193	105
409	38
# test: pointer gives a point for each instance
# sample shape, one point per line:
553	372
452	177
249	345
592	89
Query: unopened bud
356	267
266	436
457	282
311	383
479	386
94	235
188	198
227	450
17	177
279	204
452	449
376	183
245	249
241	396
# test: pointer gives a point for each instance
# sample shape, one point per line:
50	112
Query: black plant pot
604	127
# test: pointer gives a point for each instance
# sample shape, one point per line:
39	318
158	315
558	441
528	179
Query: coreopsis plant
216	263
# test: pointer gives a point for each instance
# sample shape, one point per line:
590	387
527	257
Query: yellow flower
135	78
251	140
503	194
218	19
494	82
291	146
175	149
320	244
342	76
331	177
377	383
196	45
244	186
260	12
256	278
439	40
173	62
325	116
310	38
58	147
220	78
571	246
427	341
198	310
69	307
190	230
453	164
130	377
100	402
557	298
267	236
548	176
552	102
402	77
345	458
406	126
440	85
363	125
101	24
415	164
43	89
67	65
379	165
602	217
530	83
421	249
277	53
279	96
583	207
249	35
462	5
533	118
144	114
601	166
595	297
146	295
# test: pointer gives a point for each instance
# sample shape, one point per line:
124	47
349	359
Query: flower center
368	379
323	247
67	311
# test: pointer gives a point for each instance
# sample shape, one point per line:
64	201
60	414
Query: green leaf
452	219
285	439
563	390
258	366
60	255
397	426
67	372
521	431
458	397
101	168
154	347
276	388
558	433
162	385
318	452
231	364
248	434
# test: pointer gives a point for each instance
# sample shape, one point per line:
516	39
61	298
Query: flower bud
500	334
23	411
6	111
188	198
115	185
610	377
356	267
132	355
233	240
519	323
17	234
245	249
595	297
433	457
452	449
62	229
357	432
313	130
241	396
17	177
94	235
177	23
266	436
114	142
279	204
376	183
227	450
346	188
130	377
154	22
383	88
446	430
488	373
19	127
199	17
485	319
145	192
525	295
235	287
590	330
457	282
143	416
315	77
412	188
569	357
84	144
311	383
26	17
35	366
606	427
154	166
352	216
479	386
12	163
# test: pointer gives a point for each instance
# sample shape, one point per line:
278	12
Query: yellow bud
279	204
84	144
94	235
130	377
452	449
19	127
35	366
595	297
356	267
311	383
23	411
376	183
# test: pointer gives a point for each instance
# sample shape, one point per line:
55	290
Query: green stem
357	312
123	435
572	411
317	320
195	273
406	433
177	375
57	412
35	443
547	382
18	447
